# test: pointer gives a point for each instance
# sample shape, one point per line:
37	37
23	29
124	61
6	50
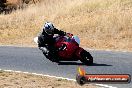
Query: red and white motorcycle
71	50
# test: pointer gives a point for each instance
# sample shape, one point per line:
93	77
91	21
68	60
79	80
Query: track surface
32	60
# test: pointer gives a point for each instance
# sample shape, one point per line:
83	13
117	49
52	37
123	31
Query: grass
22	80
101	24
1	71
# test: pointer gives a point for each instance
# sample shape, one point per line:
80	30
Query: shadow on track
79	63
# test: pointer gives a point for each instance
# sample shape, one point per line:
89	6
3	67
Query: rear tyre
86	58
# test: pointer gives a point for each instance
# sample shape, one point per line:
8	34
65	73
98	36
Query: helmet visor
49	30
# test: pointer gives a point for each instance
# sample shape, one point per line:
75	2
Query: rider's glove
69	35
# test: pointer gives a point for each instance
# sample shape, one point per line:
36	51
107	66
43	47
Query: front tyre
86	58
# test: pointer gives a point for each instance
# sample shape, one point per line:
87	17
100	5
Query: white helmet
49	28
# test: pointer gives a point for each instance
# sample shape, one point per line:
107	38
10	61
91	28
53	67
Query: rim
87	58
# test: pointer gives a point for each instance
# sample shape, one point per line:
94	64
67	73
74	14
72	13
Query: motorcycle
70	50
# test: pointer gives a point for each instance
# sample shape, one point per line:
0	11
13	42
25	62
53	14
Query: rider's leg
42	45
49	49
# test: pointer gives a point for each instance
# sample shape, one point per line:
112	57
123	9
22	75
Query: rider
46	40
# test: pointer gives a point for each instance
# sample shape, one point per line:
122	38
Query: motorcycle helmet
49	28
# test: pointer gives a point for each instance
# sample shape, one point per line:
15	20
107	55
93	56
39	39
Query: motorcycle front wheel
86	58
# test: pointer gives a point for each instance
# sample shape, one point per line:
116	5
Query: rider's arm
59	32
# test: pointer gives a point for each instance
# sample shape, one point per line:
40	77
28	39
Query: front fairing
71	46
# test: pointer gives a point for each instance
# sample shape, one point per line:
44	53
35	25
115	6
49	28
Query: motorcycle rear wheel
86	58
51	57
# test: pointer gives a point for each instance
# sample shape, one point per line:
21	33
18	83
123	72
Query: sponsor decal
82	77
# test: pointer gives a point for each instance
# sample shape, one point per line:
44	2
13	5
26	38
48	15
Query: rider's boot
51	55
44	50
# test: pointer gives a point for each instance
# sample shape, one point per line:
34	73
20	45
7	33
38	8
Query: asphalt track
32	60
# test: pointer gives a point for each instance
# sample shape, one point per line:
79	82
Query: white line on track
100	85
